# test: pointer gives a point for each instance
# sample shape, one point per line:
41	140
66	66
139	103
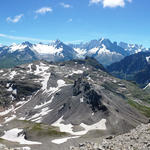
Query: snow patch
63	140
20	103
44	104
8	119
114	81
12	74
30	69
148	59
46	49
45	81
13	136
41	70
104	50
61	83
138	50
51	91
6	111
22	118
16	47
148	86
38	116
81	100
101	125
93	50
14	91
80	52
76	72
10	89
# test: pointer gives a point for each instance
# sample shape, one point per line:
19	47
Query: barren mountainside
62	104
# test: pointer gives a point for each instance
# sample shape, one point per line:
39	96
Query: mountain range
105	51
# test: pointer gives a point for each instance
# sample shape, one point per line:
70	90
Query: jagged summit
27	44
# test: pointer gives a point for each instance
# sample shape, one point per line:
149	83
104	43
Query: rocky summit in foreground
136	139
52	106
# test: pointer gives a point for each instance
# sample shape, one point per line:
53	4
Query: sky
74	21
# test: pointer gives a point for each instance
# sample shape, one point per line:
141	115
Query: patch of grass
137	92
113	87
110	86
143	109
44	130
39	129
1	140
69	81
24	121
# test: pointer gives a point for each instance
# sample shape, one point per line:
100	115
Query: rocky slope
137	139
61	104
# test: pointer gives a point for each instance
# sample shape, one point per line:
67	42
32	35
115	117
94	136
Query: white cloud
70	20
65	5
110	3
113	3
22	38
129	1
44	10
15	19
95	1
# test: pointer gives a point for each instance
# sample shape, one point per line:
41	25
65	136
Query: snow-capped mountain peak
27	44
46	49
105	51
102	39
17	47
1	45
132	48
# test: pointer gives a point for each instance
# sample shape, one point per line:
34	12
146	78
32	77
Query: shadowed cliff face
90	96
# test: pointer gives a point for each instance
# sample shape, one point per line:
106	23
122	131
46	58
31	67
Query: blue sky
74	21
